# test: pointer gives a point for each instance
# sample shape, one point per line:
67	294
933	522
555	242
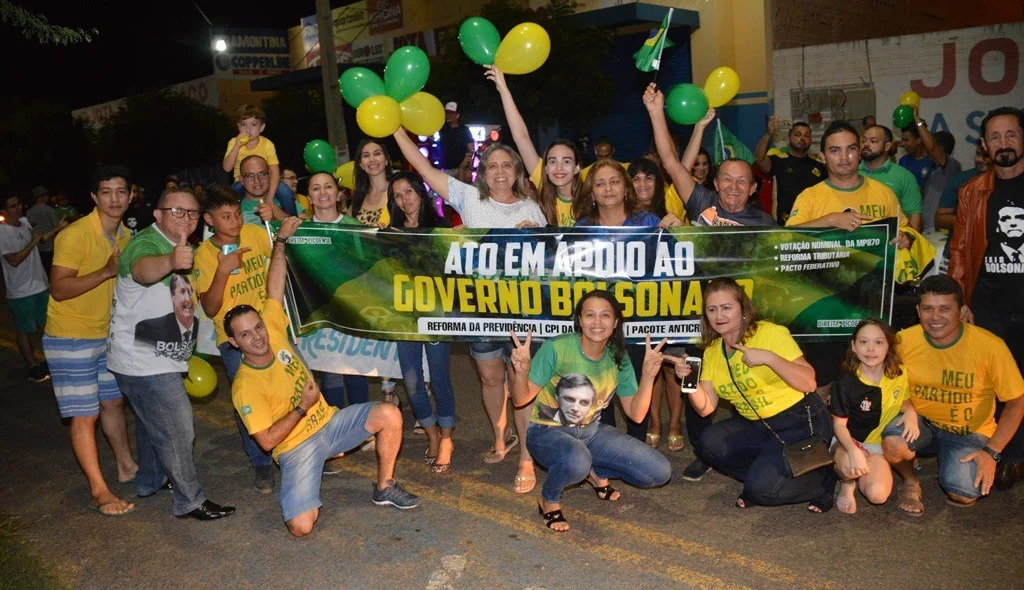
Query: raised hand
181	256
773	124
231	262
495	75
707	118
653	99
653	357
288	227
521	353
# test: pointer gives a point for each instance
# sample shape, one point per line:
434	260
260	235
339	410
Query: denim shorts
302	467
488	351
954	477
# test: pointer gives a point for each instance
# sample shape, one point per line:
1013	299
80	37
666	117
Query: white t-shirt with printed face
488	213
29	277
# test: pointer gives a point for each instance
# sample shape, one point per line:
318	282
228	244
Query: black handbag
802	456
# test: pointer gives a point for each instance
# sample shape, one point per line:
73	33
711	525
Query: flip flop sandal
493	456
551	518
524	484
676	442
653	439
99	509
605	493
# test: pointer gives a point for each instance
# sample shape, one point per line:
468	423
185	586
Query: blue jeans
302	467
284	195
746	450
232	359
439	355
164	435
954	477
336	387
570	452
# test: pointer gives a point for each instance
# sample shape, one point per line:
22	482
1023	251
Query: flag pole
721	141
661	49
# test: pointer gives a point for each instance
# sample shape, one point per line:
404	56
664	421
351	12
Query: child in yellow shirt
251	122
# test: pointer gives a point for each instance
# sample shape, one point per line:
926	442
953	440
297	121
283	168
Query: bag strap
728	364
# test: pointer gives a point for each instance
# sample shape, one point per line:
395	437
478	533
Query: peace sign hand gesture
653	358
521	353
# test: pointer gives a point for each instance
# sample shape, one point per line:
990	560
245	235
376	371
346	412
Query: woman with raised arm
570	380
557	174
771	403
499	199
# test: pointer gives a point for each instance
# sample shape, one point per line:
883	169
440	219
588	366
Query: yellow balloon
524	49
911	98
721	86
422	113
379	116
346	174
202	379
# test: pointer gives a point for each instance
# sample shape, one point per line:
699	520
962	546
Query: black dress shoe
209	511
167	487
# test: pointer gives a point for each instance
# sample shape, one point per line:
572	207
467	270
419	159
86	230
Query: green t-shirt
564	356
901	181
249	214
152	327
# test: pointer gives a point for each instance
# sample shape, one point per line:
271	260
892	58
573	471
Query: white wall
956	92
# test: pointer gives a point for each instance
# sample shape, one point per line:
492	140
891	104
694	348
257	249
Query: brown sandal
910	498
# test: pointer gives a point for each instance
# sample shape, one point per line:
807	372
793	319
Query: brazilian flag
649	56
728	145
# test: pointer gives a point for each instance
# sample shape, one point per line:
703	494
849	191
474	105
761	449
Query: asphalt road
471	531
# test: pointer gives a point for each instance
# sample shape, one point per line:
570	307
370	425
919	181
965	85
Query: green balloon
407	71
479	40
319	156
358	84
903	116
686	104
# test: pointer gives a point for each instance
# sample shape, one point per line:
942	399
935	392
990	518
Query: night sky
141	45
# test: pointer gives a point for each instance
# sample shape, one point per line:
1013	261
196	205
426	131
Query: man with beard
875	163
792	173
984	253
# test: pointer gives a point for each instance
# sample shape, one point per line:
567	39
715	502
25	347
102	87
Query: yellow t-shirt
304	204
870	198
85	247
674	203
956	386
264	148
767	392
563	209
248	286
264	395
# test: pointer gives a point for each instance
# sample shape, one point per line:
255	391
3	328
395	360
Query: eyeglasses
180	212
253	175
289	178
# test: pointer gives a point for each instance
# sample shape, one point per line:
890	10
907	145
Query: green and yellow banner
472	285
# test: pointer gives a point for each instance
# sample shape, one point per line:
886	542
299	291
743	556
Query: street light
220	44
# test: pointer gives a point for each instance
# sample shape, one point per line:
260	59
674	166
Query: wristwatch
992	453
303	412
281	240
920	123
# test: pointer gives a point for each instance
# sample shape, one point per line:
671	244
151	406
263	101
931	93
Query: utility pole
336	135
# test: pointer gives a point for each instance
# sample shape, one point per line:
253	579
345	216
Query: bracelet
300	411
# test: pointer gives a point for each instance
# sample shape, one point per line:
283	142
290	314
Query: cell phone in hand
228	249
689	384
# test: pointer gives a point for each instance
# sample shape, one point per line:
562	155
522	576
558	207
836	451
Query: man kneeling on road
957	372
282	408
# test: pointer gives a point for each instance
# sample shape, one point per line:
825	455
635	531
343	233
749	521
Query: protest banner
473	285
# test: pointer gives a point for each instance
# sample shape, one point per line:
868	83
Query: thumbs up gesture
181	256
